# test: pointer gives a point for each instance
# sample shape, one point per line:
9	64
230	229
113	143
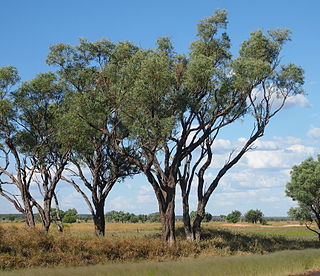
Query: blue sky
28	28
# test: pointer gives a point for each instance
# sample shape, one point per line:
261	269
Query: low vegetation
22	248
280	263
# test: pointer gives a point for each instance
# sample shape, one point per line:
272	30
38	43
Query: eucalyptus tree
36	102
88	108
176	103
29	137
267	85
21	177
169	105
304	188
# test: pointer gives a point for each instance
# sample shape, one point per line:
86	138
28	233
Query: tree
253	216
89	103
36	139
70	216
304	187
234	216
174	105
266	85
154	217
21	178
28	137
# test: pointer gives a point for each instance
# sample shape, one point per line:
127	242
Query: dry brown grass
22	247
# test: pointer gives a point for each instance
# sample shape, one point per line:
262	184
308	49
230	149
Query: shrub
253	216
234	216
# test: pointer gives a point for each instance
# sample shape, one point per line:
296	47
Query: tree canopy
304	187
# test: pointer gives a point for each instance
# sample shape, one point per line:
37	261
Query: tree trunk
99	220
186	218
29	217
28	213
58	220
46	220
168	218
196	227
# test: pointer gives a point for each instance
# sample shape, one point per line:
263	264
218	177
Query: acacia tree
87	109
304	187
267	85
33	145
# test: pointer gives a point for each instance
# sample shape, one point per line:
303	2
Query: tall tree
21	178
304	187
256	73
38	159
88	108
172	105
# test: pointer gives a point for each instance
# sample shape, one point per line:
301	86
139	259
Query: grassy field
280	263
138	249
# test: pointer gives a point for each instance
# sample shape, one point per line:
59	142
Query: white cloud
266	145
270	199
146	194
297	100
314	132
288	140
129	186
222	145
282	158
277	99
120	203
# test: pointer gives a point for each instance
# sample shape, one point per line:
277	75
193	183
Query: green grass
279	263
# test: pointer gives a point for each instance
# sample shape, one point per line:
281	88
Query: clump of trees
119	216
234	216
113	110
304	187
254	216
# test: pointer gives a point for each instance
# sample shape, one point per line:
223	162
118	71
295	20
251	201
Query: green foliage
234	216
119	216
253	216
8	77
207	217
35	101
69	216
302	214
304	187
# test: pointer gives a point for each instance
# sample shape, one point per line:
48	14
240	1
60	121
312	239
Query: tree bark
28	213
167	215
196	226
99	220
186	218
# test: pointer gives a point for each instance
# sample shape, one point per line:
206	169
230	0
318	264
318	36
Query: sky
28	28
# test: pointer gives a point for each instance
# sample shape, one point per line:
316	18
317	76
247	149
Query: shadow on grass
251	243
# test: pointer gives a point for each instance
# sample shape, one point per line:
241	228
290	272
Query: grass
279	263
125	242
